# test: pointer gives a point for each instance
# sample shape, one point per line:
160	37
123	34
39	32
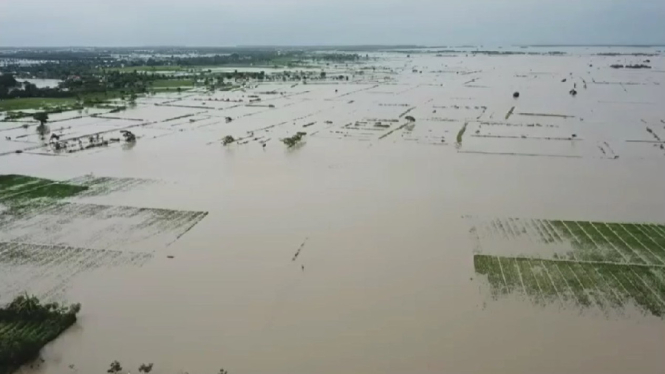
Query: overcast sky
329	22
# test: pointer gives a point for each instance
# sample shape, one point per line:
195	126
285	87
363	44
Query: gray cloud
310	22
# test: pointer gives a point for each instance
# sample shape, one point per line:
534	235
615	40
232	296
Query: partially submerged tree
228	140
115	368
293	140
42	117
145	368
128	135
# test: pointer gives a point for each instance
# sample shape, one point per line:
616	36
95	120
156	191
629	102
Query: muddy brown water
388	283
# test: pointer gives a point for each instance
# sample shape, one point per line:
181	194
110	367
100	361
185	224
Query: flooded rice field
428	221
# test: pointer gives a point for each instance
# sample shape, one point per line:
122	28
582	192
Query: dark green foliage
293	140
228	140
115	368
19	188
145	368
460	134
27	325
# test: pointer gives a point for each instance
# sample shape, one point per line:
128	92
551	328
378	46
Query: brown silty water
384	278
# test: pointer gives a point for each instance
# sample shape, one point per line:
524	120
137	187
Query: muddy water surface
385	280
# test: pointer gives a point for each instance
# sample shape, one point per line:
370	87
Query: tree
323	75
228	140
42	117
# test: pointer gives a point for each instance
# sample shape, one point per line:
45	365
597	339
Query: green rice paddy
14	188
608	265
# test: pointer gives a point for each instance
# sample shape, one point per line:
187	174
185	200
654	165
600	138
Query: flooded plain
368	247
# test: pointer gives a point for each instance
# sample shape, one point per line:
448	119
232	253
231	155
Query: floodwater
383	280
43	83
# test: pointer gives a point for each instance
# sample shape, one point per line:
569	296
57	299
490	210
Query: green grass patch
156	69
35	103
172	83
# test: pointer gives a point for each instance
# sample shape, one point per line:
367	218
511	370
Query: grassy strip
509	268
461	132
510	112
549	291
172	83
531	283
35	103
27	326
161	68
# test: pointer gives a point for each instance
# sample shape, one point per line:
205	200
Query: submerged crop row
626	243
586	284
43	244
47	269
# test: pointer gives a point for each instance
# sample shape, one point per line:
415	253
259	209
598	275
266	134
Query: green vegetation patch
35	103
460	134
608	264
585	284
16	188
26	325
161	68
613	242
171	83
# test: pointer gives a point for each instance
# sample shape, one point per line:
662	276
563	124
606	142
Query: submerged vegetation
609	265
126	72
19	188
607	286
228	140
26	325
293	140
460	134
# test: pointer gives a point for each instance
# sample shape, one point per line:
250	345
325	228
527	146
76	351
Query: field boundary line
582	261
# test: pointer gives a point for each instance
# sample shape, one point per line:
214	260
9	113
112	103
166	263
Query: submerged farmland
400	212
